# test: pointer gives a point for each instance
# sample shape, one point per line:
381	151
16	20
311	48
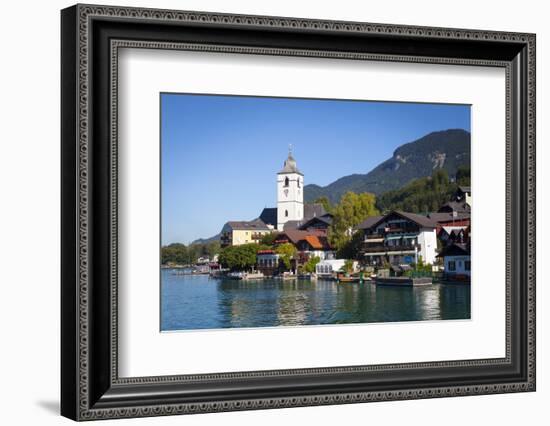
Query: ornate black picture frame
91	387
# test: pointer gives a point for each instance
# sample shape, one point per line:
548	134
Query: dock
245	276
403	281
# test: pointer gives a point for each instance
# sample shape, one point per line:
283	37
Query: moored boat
348	279
245	275
404	281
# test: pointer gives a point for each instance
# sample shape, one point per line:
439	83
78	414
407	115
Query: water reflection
199	302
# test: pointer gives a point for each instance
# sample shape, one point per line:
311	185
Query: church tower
290	194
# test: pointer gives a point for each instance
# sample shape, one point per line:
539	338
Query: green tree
213	248
347	267
463	176
349	212
239	258
309	266
181	254
194	251
174	253
286	252
325	202
352	248
269	239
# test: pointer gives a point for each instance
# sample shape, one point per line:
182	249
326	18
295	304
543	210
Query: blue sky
220	154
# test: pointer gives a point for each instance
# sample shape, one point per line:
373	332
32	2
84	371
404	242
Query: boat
253	276
218	272
181	271
348	279
286	276
235	275
245	275
404	281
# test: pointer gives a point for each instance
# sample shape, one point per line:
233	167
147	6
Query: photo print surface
307	212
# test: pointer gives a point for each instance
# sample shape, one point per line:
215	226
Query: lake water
191	302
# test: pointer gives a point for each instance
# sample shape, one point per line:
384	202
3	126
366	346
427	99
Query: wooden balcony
380	248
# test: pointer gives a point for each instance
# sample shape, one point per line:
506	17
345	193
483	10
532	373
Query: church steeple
290	197
290	164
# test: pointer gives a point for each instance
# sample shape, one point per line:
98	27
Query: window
286	213
298	182
452	265
286	181
467	265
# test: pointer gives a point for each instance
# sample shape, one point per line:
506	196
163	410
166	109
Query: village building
453	234
456	212
307	244
456	261
399	238
267	262
235	233
327	268
455	207
317	224
452	218
202	260
463	194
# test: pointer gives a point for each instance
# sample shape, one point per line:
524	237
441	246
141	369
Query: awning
374	240
389	252
396	237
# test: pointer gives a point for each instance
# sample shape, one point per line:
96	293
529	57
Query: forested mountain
425	194
446	150
207	240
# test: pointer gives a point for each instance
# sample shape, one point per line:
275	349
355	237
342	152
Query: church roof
313	210
292	224
290	166
269	216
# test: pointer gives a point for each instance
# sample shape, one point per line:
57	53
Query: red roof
294	235
314	242
265	252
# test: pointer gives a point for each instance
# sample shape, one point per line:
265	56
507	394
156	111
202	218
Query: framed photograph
263	212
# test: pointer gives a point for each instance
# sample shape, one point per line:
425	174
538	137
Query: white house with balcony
399	238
